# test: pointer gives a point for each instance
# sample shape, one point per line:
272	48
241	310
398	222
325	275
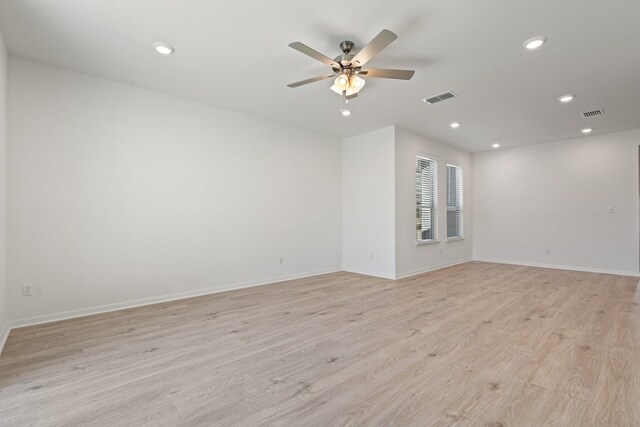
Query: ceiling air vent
440	98
593	113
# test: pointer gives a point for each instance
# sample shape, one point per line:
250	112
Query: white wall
556	196
379	197
4	307
118	194
368	203
411	258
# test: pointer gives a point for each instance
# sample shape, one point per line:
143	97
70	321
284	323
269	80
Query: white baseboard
4	335
366	273
559	267
72	314
411	273
426	270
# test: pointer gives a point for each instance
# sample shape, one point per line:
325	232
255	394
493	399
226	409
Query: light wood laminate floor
475	344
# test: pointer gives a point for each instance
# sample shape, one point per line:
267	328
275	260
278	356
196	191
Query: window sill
426	242
453	239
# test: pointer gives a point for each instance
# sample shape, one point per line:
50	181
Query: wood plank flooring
475	344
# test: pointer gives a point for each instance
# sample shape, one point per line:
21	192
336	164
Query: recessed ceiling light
496	145
163	48
345	113
586	130
535	42
566	98
455	125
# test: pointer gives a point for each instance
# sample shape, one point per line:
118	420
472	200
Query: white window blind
426	199
454	201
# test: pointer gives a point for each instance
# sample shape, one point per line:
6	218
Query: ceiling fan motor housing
345	64
345	59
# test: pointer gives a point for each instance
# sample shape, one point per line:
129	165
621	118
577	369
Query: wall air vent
439	98
593	113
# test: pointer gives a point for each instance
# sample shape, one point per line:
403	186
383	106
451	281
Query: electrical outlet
371	257
611	209
26	290
281	260
547	251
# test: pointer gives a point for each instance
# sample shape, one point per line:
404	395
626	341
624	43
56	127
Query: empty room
243	213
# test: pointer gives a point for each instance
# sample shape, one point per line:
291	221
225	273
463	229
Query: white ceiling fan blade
387	73
303	48
311	80
378	43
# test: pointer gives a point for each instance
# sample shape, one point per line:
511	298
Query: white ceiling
234	55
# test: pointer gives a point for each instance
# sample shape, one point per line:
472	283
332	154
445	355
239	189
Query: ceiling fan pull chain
343	104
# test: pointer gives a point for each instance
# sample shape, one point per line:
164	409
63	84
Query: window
426	200
454	202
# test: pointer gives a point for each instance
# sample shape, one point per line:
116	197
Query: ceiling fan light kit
348	86
348	69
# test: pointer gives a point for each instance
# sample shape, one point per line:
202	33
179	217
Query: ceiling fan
348	68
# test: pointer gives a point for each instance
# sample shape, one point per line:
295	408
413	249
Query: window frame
460	235
435	205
